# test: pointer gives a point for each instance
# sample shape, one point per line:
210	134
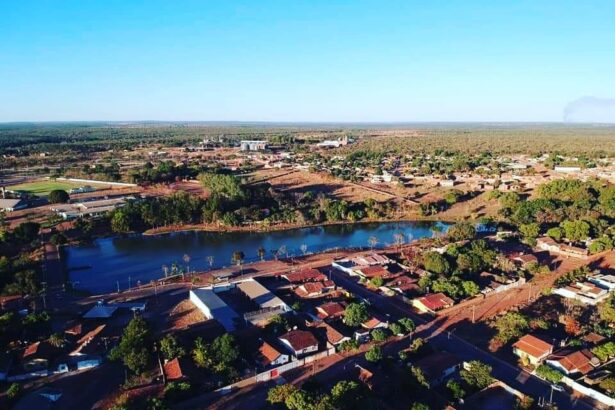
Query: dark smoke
590	109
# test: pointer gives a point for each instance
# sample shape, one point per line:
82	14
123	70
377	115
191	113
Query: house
578	362
363	335
330	310
268	356
305	275
403	284
374	271
10	205
371	259
549	244
585	292
213	307
247	145
567	170
438	366
524	259
36	356
299	342
432	302
449	183
532	349
179	369
333	336
309	290
602	280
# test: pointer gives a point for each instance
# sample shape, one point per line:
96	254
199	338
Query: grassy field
43	188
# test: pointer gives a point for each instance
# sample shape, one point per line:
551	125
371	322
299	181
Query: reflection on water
99	266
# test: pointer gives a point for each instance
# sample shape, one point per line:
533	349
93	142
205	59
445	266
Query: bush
13	391
378	335
548	373
58	196
374	354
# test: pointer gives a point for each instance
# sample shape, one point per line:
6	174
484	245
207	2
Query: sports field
43	188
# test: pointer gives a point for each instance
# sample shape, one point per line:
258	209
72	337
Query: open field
43	188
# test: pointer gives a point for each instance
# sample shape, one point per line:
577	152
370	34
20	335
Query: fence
93	181
596	395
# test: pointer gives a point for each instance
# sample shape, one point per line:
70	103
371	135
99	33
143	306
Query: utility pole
473	314
118	286
529	296
129	287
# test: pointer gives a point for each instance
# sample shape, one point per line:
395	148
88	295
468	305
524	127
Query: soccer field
43	188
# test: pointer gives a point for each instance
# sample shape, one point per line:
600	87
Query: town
437	279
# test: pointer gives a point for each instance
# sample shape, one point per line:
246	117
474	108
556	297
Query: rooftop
533	346
299	339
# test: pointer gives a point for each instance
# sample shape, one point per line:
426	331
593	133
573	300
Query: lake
103	264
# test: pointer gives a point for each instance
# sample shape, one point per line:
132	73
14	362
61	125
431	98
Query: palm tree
165	269
261	253
304	249
57	340
210	260
237	258
186	259
399	239
372	241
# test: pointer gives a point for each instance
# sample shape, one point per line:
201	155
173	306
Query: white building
247	145
213	307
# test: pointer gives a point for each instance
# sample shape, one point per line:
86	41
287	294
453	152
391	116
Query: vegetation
548	373
355	314
134	349
477	374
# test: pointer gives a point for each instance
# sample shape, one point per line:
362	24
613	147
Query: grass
43	188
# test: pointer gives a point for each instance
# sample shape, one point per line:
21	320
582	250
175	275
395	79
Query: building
306	275
567	170
262	296
432	302
602	280
92	209
330	310
269	356
333	143
578	362
548	244
585	292
403	284
437	367
213	307
247	145
299	342
178	369
10	205
532	349
333	336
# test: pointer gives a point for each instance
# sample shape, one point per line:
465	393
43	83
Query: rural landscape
199	266
307	205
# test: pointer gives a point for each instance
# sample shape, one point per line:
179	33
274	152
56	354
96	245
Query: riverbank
259	228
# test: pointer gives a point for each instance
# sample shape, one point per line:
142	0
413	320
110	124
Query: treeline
232	203
565	210
18	272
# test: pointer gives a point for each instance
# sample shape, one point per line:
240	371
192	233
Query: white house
299	342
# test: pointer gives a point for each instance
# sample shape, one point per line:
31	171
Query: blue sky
303	60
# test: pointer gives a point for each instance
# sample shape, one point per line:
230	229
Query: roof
371	259
9	203
311	287
435	364
330	309
333	336
305	275
299	339
374	271
593	338
372	323
74	330
267	354
100	312
436	301
31	350
579	361
259	294
173	370
218	309
533	346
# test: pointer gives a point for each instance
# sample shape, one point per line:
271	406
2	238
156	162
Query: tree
419	406
372	241
436	263
217	356
530	232
279	394
57	340
378	335
548	373
58	239
120	221
555	233
347	394
135	346
396	329
278	325
170	349
261	253
419	376
355	314
511	325
408	324
577	230
461	231
470	288
477	374
26	232
455	388
58	196
605	351
13	391
608	384
238	257
374	354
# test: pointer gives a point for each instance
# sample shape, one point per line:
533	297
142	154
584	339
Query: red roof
267	354
306	275
299	339
533	346
436	301
173	370
375	271
31	350
579	361
330	309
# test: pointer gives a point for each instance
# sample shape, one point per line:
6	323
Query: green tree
238	257
347	394
279	394
419	376
549	373
135	346
57	340
355	314
555	233
378	335
577	230
396	329
461	231
170	349
419	406
58	196
374	354
470	288
530	232
477	374
511	325
120	221
436	263
456	390
408	324
13	391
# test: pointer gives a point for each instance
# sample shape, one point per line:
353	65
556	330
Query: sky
336	61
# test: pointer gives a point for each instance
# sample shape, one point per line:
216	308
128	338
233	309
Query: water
99	266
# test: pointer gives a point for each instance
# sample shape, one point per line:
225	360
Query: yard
43	188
